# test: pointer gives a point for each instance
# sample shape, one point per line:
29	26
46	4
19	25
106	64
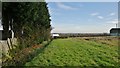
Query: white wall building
55	35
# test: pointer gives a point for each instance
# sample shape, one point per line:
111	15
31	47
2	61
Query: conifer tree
29	20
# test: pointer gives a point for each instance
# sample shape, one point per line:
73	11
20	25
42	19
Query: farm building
115	32
55	35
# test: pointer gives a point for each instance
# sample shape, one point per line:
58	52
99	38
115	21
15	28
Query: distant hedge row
66	35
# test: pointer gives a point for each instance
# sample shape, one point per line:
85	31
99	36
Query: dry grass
109	40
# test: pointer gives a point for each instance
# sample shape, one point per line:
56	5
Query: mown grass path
76	52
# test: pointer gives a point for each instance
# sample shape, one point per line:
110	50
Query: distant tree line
30	22
66	35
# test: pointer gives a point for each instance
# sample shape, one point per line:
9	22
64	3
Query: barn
115	32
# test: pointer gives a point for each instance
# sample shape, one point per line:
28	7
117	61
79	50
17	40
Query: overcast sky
83	17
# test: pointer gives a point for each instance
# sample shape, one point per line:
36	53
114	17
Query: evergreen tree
31	18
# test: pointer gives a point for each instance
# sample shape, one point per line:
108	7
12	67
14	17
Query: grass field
99	51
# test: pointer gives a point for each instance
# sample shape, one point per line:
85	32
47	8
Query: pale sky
83	17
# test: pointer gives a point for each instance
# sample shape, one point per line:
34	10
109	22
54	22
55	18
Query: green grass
76	52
